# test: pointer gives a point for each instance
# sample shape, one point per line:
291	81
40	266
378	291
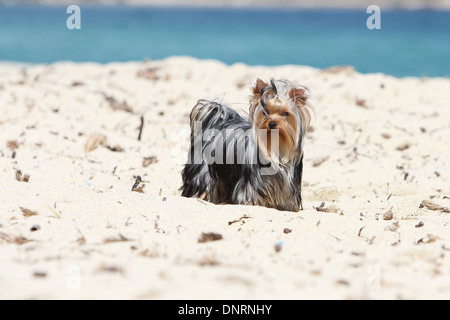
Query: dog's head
279	108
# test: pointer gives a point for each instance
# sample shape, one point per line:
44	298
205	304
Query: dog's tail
211	115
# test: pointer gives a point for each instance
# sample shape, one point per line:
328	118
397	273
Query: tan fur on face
285	124
286	106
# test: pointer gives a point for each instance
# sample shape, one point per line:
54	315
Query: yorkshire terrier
254	161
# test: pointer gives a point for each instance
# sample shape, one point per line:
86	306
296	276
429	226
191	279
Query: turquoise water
410	43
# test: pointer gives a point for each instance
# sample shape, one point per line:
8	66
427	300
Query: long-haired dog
255	161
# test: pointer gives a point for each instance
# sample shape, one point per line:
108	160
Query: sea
408	43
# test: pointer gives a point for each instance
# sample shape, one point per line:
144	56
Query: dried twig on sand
137	186
388	215
241	219
120	238
433	206
22	178
209	236
27	212
141	127
321	208
149	161
13	239
116	104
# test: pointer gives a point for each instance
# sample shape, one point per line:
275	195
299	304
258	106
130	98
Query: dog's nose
272	124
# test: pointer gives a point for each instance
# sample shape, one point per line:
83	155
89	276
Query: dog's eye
285	114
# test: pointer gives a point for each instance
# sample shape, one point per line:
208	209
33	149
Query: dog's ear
298	96
254	99
259	85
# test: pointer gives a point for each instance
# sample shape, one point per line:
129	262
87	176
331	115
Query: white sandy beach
74	228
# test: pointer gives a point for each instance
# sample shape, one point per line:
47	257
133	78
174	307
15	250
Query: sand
71	227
